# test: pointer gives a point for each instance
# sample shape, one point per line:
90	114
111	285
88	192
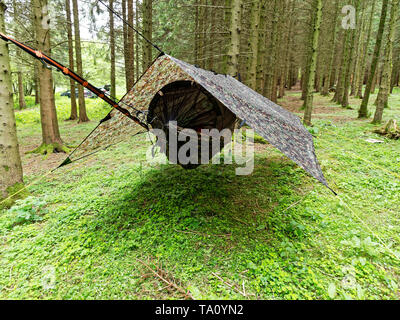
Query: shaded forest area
102	225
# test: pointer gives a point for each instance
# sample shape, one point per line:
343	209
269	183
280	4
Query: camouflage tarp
278	126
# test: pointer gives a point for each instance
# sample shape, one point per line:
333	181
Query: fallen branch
231	286
163	276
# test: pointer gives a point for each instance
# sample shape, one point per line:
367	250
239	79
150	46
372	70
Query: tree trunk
78	51
74	109
331	61
201	38
113	90
358	48
10	161
349	62
36	83
361	75
196	33
261	50
363	112
211	60
253	45
308	102
48	114
137	64
126	47
234	44
21	93
384	88
130	66
147	32
342	69
306	68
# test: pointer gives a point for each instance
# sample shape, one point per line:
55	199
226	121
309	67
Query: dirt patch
291	103
36	164
294	104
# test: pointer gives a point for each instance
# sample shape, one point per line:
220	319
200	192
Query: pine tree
10	161
130	63
364	57
331	59
148	32
112	50
253	43
363	112
384	90
79	68
51	139
74	108
308	102
234	41
21	94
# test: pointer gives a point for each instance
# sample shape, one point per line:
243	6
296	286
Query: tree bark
308	102
342	70
74	109
363	112
36	83
50	132
126	47
78	52
384	89
148	33
358	51
261	50
130	66
10	161
212	30
137	64
331	61
252	59
349	62
113	90
234	43
270	67
21	93
361	75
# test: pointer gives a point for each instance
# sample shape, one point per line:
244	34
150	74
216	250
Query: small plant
29	210
313	130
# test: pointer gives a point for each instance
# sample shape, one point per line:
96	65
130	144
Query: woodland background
114	226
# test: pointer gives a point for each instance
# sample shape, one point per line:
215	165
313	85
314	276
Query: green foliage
26	211
96	108
29	100
276	232
15	192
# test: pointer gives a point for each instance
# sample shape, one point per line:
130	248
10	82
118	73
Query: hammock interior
192	107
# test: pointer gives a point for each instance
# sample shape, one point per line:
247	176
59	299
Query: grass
90	230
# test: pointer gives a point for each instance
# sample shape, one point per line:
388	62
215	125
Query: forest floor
113	227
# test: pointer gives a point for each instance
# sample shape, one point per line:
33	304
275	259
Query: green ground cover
101	228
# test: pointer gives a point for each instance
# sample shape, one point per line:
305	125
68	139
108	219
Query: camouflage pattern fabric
119	127
278	126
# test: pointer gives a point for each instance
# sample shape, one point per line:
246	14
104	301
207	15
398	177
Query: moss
17	192
48	149
257	138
